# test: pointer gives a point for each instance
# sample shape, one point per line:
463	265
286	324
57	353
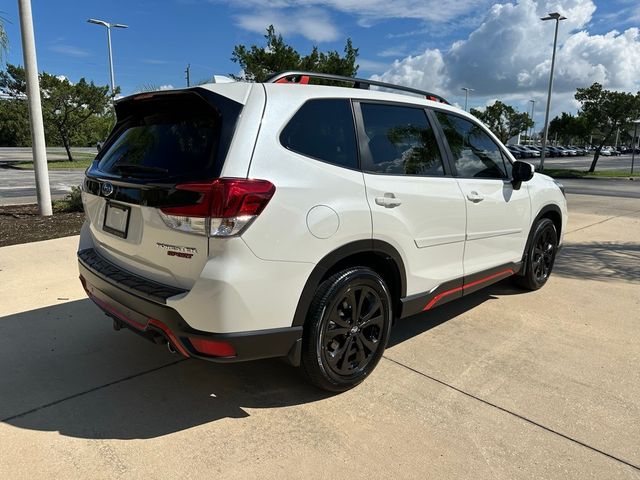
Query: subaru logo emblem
107	189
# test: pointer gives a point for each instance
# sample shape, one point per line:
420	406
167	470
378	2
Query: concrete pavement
500	384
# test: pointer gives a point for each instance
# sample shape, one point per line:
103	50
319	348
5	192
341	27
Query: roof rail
294	76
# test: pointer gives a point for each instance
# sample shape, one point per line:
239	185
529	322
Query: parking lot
500	384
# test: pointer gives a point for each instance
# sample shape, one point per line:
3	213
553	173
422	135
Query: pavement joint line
91	390
514	414
601	221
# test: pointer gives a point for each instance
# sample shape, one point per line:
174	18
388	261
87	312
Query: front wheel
346	330
540	256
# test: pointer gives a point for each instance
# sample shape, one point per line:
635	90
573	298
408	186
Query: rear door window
401	141
323	129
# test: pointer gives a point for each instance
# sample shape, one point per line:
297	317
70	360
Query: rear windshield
173	137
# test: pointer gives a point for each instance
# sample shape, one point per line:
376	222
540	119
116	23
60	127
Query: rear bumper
161	323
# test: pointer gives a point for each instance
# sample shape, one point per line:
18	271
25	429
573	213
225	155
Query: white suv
242	221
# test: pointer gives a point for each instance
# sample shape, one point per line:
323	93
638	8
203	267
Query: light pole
39	146
633	143
557	17
109	26
533	106
466	96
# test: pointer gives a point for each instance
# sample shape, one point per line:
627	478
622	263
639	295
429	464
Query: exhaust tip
171	348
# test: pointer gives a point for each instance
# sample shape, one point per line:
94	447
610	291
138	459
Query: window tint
323	129
170	137
474	153
401	141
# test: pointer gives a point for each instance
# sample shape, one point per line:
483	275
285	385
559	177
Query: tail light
226	207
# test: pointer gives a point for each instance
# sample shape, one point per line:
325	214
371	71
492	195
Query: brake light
226	207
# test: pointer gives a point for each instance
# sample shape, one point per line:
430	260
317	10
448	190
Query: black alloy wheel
540	256
347	329
544	252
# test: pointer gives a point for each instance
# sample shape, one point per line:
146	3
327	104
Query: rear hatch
162	145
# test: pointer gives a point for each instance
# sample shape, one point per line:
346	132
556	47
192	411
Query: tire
340	348
540	256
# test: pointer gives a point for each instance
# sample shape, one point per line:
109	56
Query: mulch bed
22	224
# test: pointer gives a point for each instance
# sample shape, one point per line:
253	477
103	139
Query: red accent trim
212	347
446	293
304	80
438	297
137	325
172	338
113	311
508	271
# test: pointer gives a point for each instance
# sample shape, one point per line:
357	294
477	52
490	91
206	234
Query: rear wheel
540	257
346	330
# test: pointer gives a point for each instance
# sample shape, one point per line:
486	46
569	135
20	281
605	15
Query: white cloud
509	55
312	23
432	10
69	50
371	65
166	87
395	51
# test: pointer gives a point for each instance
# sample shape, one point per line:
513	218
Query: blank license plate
116	219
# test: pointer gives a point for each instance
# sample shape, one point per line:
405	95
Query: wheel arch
553	213
378	255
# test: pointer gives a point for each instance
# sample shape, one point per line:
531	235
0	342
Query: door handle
475	197
388	201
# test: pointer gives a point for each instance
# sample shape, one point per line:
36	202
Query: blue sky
498	48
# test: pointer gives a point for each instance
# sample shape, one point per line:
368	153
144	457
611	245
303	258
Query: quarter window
475	154
401	141
323	129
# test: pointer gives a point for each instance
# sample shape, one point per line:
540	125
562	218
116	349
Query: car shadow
64	369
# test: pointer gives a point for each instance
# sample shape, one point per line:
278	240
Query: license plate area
116	219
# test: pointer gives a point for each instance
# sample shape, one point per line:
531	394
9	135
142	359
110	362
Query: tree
503	120
605	111
14	123
259	62
569	128
70	110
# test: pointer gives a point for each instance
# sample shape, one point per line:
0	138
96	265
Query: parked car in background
558	152
514	151
607	151
531	151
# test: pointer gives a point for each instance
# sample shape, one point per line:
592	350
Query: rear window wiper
133	168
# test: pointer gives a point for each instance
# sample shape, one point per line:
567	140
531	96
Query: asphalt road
622	162
15	154
615	187
502	384
19	186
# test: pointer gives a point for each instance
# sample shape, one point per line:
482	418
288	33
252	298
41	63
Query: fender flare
552	207
334	257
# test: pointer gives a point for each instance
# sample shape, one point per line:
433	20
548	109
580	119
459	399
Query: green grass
81	161
566	173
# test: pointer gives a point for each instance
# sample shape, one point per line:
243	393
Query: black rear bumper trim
135	312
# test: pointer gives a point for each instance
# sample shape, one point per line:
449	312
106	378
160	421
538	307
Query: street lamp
466	96
633	143
533	106
557	17
109	26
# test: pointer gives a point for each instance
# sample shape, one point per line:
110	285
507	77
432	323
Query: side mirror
521	172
